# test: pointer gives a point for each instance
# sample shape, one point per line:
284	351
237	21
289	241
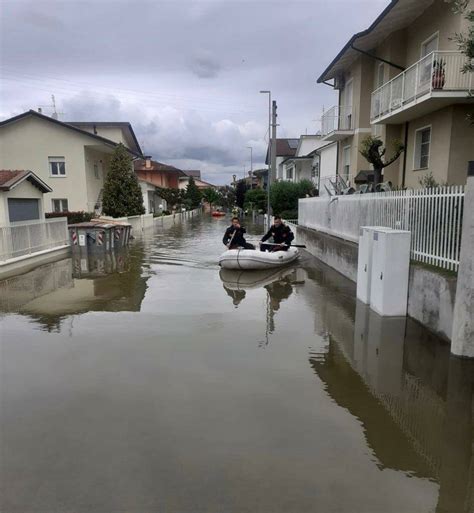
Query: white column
462	343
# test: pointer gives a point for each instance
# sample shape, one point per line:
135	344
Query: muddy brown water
152	382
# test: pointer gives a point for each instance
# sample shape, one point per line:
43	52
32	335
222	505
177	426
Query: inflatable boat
218	213
248	259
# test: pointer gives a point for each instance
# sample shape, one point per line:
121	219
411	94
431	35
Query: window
422	148
430	45
346	161
57	166
96	170
315	170
60	205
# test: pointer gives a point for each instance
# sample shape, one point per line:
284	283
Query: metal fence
337	118
26	238
434	217
438	72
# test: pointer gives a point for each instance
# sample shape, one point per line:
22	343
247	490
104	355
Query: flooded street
152	382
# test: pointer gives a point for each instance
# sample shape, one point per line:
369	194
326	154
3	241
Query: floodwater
152	383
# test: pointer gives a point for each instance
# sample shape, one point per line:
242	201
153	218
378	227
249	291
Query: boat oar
276	244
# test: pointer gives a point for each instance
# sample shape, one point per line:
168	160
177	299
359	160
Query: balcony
432	83
337	123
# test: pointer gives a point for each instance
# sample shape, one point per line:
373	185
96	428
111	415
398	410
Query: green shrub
284	196
72	217
256	199
289	214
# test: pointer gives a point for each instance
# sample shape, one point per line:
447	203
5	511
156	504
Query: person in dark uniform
282	235
234	236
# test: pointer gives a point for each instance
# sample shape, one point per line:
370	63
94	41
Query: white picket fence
27	238
434	217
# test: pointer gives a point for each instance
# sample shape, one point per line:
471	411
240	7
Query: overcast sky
186	74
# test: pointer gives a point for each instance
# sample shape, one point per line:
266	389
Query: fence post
462	340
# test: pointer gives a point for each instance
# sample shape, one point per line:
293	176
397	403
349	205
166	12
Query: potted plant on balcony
439	74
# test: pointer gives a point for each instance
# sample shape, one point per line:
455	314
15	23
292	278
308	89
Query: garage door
20	209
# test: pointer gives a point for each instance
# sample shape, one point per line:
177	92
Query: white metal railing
435	73
434	217
337	118
27	238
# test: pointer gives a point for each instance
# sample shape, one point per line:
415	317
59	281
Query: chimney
40	110
147	162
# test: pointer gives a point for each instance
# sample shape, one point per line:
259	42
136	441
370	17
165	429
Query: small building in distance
21	196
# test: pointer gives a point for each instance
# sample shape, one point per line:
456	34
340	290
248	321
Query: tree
227	196
256	199
122	194
193	194
240	191
211	196
465	41
374	151
172	197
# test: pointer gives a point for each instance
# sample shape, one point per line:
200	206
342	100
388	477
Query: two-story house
302	166
402	79
71	158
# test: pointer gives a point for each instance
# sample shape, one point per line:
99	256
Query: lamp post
269	178
251	166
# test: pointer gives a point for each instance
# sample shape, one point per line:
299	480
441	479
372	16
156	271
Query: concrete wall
431	294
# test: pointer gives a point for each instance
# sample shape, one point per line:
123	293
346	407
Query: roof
140	165
33	113
120	124
396	16
195	173
318	150
10	178
285	148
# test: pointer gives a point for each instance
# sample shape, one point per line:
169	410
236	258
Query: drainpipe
404	171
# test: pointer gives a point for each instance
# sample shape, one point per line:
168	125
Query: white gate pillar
462	340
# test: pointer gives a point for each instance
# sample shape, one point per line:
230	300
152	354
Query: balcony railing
337	118
436	73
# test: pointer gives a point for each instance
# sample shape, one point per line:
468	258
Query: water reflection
416	403
278	284
110	282
170	405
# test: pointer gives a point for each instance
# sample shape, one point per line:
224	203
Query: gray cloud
185	73
205	66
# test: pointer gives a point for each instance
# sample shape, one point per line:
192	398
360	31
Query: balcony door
426	64
346	114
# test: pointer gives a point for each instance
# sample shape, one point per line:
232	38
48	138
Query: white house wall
27	144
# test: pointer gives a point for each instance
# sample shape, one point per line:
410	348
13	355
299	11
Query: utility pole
269	152
272	175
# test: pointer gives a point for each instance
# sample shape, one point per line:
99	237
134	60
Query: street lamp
269	178
251	166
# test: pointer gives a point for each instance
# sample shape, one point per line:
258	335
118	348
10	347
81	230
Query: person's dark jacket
238	240
281	234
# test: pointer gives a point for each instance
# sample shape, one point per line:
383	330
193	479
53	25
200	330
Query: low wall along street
25	246
431	294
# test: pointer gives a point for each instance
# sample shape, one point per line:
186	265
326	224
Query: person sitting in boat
234	236
282	236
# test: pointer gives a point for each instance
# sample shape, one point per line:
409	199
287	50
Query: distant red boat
217	213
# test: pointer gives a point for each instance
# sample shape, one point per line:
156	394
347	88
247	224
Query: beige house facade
71	158
401	79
